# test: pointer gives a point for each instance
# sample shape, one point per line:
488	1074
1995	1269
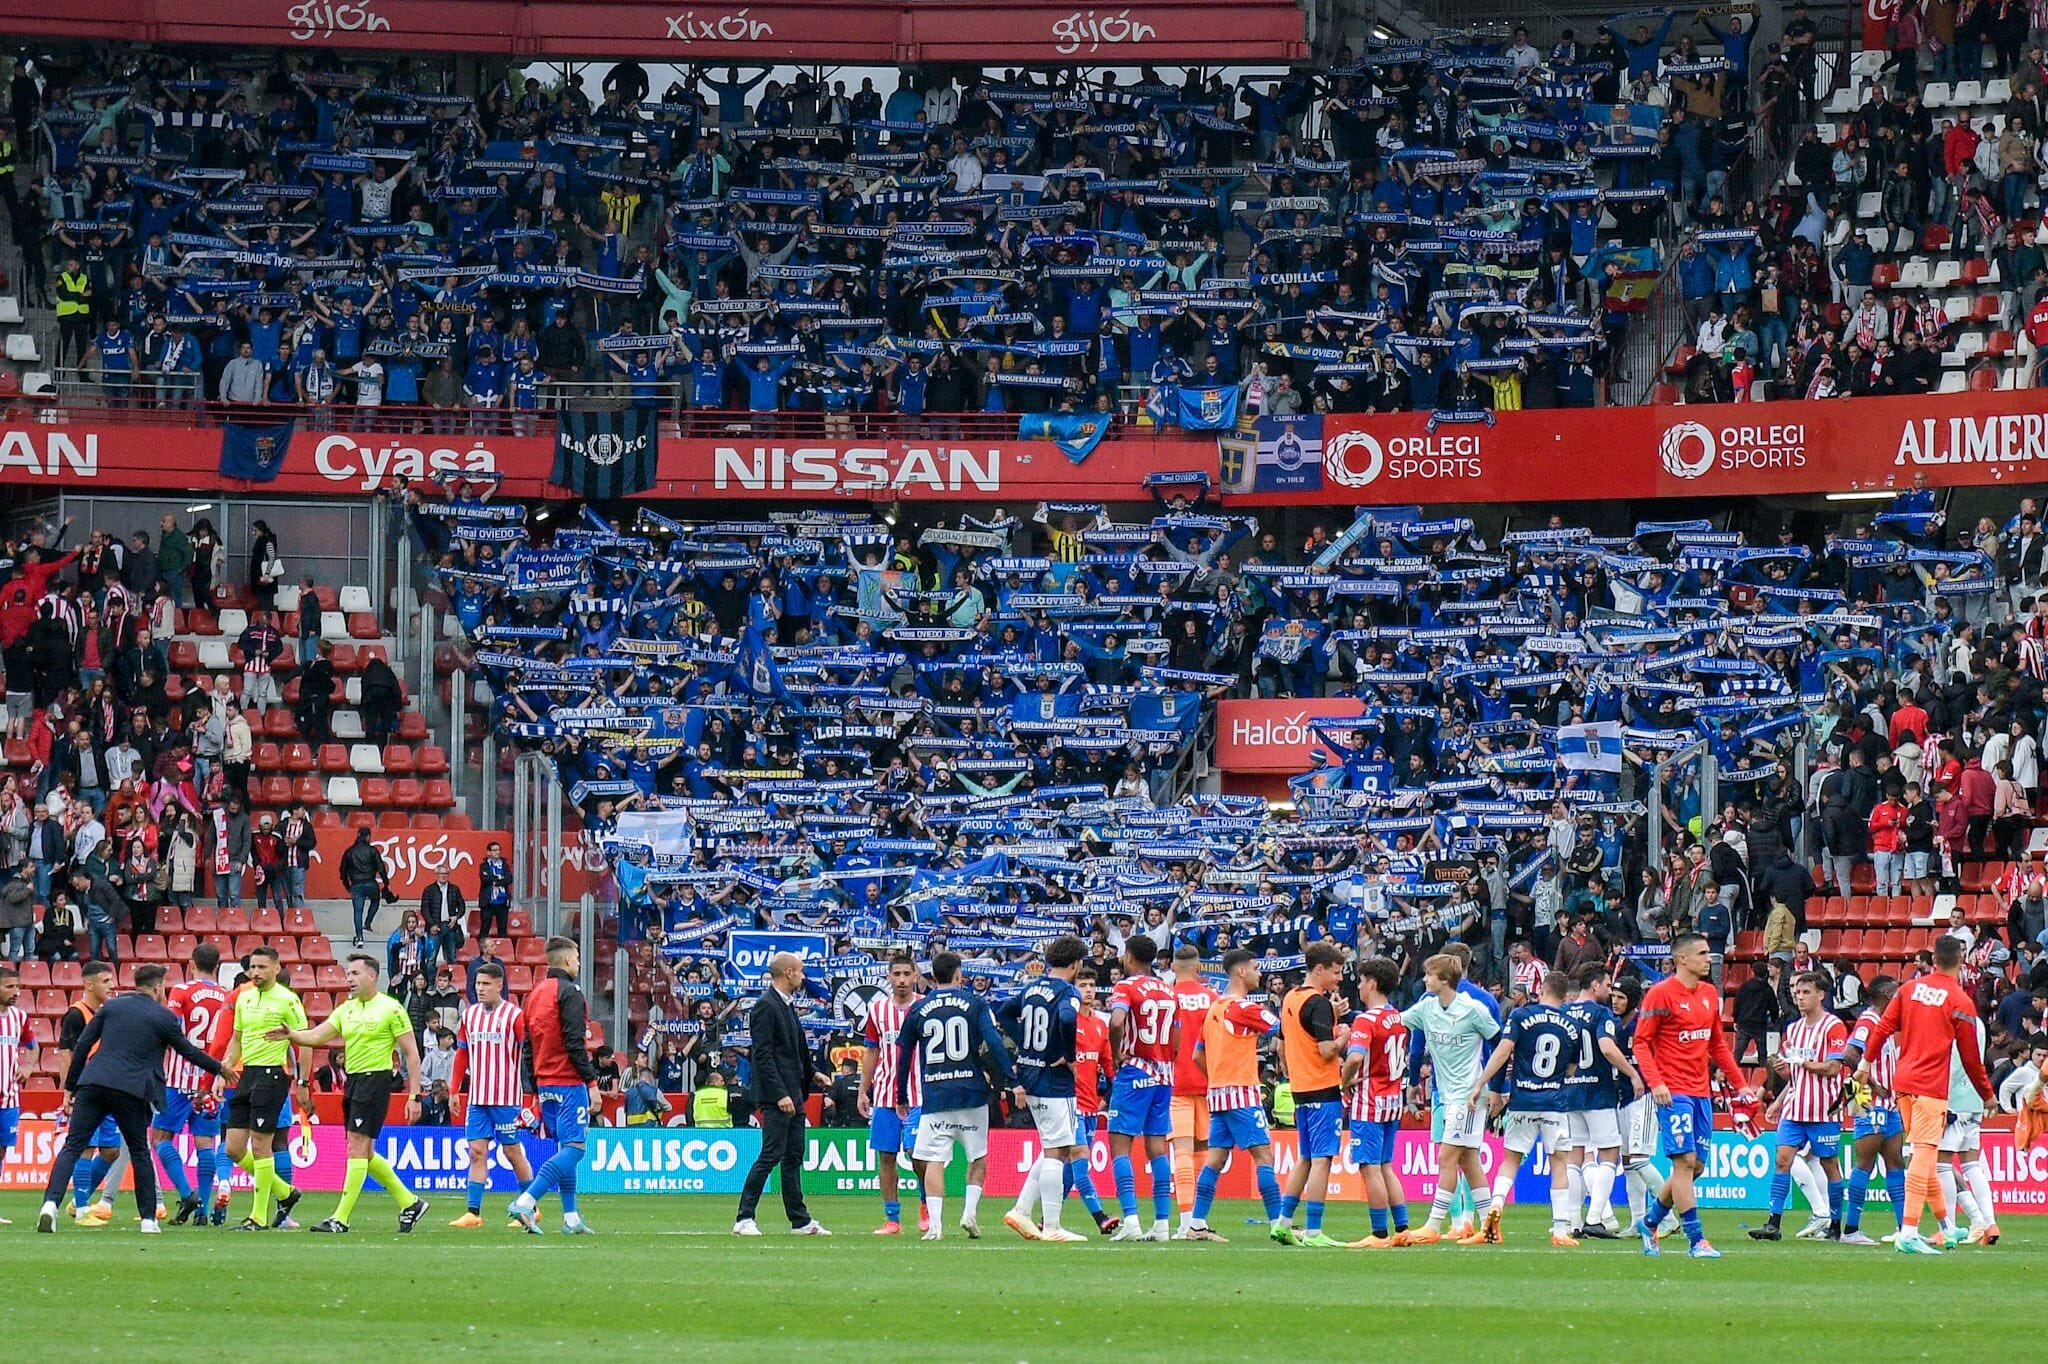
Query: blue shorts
565	1113
108	1133
1320	1129
492	1122
1239	1129
1372	1143
1687	1123
1140	1110
181	1115
1880	1120
1824	1137
1084	1129
890	1133
10	1124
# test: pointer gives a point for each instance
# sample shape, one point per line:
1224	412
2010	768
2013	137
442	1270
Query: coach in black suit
117	1068
782	1076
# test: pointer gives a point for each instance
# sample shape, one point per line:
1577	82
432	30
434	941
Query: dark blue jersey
1040	1020
1546	1041
1594	1083
946	1033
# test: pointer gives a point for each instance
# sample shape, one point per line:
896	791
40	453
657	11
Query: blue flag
254	454
1208	409
1076	433
758	674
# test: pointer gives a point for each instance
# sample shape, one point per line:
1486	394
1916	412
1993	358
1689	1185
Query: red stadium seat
315	947
408	792
235	920
266	920
169	919
455	819
308	791
278	724
426	821
318	1003
345	659
433	760
200	919
327	819
394	819
331	977
398	760
274	791
412	726
184	656
152	947
363	625
35	974
360	819
298	757
200	621
268	757
334	758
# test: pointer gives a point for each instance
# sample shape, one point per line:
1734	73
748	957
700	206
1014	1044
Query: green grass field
664	1274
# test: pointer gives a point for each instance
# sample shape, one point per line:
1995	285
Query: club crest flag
1591	747
603	455
1279	454
254	454
1208	409
1076	433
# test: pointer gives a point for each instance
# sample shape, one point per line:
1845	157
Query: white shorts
1058	1121
936	1133
1523	1130
1594	1129
1465	1125
1639	1127
1964	1132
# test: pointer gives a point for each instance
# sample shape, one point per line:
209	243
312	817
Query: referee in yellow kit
374	1029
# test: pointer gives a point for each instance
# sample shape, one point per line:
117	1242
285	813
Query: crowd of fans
972	736
1451	224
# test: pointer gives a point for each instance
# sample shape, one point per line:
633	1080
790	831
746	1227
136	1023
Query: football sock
1205	1193
971	1204
1400	1211
1574	1191
1564	1209
1126	1185
1379	1221
281	1164
1439	1208
1895	1186
892	1210
206	1160
1028	1197
565	1188
1690	1220
1945	1180
546	1177
1812	1186
1463	1199
1653	1211
351	1190
1288	1203
1833	1211
1964	1195
1502	1183
1482	1204
1781	1190
1312	1216
1051	1190
1162	1187
1979	1180
474	1192
1852	1207
173	1165
111	1171
1269	1191
1599	1191
936	1205
381	1171
1082	1181
1184	1174
85	1176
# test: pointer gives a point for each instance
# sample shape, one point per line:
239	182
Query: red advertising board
1604	454
413	856
1276	735
883	32
64	454
1725	450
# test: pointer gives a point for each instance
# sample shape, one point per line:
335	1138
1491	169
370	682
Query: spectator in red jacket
1887	845
19	597
1978	793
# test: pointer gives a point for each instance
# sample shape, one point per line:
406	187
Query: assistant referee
374	1028
117	1071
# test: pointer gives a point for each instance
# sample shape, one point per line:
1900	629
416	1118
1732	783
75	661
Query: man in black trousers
782	1076
117	1069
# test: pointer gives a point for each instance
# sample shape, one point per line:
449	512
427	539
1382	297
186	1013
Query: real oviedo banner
1745	449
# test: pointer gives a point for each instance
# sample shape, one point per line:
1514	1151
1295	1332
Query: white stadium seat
343	791
366	758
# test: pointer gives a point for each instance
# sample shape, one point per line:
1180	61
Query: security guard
74	311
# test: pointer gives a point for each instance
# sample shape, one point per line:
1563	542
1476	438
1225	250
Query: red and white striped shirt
1381	1037
493	1038
883	1026
17	1035
199	1005
1149	1008
1809	1097
1880	1064
1528	976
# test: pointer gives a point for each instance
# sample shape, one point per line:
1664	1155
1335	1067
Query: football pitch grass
665	1274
